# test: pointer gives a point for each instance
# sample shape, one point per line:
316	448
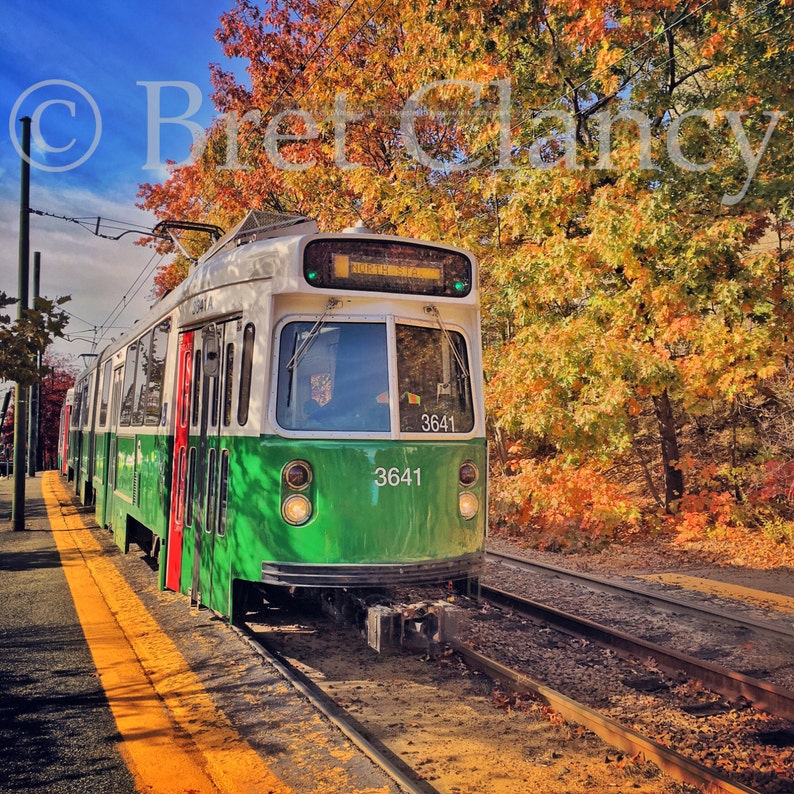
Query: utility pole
35	389
20	391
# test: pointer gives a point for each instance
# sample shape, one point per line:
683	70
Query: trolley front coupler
424	627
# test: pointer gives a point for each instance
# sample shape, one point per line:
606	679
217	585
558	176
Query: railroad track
767	697
316	674
410	780
333	694
662	601
729	683
677	766
381	756
363	730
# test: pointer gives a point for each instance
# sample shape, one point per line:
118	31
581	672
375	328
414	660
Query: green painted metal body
101	454
355	520
141	491
78	461
374	503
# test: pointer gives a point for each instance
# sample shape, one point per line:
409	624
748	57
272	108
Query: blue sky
89	59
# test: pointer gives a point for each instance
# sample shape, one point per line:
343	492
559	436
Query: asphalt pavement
57	733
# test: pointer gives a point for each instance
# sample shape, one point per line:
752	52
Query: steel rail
392	765
613	733
602	584
764	696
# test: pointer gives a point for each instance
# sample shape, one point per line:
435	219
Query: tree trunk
645	471
499	444
673	476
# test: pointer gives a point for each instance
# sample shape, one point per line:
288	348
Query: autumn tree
629	294
23	353
623	173
25	340
60	375
60	378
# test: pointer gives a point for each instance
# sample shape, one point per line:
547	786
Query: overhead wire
605	69
665	62
131	292
81	319
124	228
522	122
311	55
514	127
325	68
301	69
82	221
94	223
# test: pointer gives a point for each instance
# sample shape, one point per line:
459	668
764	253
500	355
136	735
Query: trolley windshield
335	377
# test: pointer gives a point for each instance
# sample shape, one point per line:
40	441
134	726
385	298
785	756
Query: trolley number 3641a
395	476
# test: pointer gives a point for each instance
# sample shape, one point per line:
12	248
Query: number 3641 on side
395	476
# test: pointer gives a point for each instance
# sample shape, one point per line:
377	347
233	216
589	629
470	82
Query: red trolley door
176	522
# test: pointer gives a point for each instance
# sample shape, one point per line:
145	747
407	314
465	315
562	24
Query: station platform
109	685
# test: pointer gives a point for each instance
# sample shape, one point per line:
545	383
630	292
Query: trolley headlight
469	504
468	474
297	474
296	509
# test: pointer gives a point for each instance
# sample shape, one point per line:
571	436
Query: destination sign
347	267
387	266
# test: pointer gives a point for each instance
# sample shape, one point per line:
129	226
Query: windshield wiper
311	336
431	309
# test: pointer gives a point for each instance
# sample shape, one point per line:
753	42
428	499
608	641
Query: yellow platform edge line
174	738
764	598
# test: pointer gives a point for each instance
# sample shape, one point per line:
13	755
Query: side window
180	505
115	405
194	416
185	391
210	341
156	367
128	389
214	400
191	482
144	365
78	399
212	473
228	384
245	374
87	393
103	402
223	497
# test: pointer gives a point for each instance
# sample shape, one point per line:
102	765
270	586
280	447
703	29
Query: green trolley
304	411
